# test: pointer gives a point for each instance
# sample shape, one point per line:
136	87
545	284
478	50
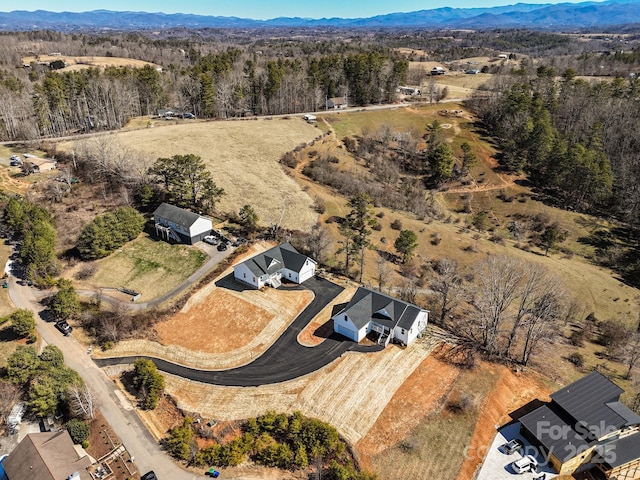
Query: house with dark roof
46	456
584	423
180	225
274	265
371	311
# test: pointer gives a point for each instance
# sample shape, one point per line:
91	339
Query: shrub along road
285	360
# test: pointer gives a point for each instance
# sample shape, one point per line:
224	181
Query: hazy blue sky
257	9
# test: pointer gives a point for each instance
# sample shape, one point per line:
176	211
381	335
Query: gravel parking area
497	464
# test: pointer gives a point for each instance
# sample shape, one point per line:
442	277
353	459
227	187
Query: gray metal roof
368	305
556	434
620	451
276	258
588	400
177	215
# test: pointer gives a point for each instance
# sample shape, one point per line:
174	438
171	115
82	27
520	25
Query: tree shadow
8	335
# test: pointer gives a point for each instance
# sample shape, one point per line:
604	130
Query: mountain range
563	16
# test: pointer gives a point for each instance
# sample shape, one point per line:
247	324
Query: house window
244	275
289	274
254	279
403	331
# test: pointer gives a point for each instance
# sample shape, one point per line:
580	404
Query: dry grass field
243	158
79	63
350	393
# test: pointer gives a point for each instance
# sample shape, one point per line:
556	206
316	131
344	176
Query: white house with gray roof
180	225
273	265
391	318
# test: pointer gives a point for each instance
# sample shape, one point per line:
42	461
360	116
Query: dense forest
223	74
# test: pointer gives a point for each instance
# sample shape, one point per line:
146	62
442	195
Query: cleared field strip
350	393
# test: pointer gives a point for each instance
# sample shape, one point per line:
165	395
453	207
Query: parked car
223	246
149	476
512	446
528	463
211	240
15	161
189	115
64	327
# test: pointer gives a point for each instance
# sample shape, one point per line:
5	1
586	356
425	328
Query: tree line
290	442
223	84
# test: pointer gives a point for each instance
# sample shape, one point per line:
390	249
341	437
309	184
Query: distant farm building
371	311
180	225
33	164
438	71
310	118
337	103
409	91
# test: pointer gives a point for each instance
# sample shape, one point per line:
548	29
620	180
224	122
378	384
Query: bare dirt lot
224	320
243	158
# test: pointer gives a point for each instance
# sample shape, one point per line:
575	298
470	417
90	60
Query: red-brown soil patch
420	395
512	391
225	326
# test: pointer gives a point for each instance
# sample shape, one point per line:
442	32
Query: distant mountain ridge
522	15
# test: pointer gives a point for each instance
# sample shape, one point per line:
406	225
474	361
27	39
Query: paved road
285	360
125	422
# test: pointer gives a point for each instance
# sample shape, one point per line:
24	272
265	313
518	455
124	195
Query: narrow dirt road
123	420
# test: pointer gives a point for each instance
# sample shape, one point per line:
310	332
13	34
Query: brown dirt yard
243	157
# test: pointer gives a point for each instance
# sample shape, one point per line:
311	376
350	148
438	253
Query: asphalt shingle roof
177	215
46	456
368	305
276	258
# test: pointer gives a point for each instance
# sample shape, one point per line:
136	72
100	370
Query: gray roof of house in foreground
276	258
368	305
46	456
594	401
177	215
556	434
620	451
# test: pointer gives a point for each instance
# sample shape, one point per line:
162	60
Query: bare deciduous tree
632	353
82	401
499	278
9	395
535	277
542	320
447	284
383	273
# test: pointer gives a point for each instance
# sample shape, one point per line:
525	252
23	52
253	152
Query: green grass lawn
400	119
148	266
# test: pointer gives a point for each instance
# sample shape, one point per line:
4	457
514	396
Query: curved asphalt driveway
285	360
